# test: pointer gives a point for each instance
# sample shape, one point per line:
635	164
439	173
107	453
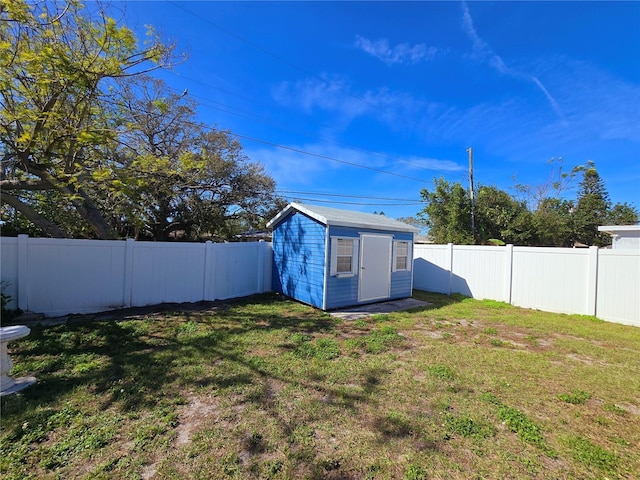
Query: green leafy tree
592	207
415	222
501	217
57	70
622	214
553	223
541	219
447	213
93	147
174	175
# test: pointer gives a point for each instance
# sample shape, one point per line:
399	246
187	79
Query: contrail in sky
482	50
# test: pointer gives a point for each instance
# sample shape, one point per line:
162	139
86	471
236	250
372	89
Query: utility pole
473	219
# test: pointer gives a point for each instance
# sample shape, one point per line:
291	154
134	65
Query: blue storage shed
332	258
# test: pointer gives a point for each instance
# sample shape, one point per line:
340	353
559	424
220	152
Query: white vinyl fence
590	281
58	277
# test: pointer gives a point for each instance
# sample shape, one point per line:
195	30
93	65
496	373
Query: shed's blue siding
343	292
401	281
299	259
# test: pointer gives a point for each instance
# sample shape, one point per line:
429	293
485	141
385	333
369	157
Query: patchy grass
267	388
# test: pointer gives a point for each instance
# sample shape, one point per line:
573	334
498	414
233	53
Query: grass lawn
269	388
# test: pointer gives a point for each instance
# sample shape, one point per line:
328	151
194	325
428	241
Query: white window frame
394	266
355	244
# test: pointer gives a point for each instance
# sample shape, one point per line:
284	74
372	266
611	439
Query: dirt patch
587	360
432	334
633	409
192	416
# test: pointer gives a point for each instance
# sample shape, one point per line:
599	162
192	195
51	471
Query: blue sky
403	89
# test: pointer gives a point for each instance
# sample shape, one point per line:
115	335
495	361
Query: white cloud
435	164
291	167
333	93
401	53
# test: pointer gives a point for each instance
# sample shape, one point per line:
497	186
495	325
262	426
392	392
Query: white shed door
375	267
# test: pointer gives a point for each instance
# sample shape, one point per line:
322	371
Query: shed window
344	256
401	256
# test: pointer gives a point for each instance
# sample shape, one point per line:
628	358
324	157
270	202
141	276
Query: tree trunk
38	220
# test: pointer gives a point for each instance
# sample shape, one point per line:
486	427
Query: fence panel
61	276
64	276
551	279
432	268
9	269
167	272
235	272
618	298
478	272
565	280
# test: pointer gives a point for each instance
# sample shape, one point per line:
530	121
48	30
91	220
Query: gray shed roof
344	218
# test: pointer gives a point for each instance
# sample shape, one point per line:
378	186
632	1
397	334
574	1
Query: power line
242	39
289	64
369	204
326	157
221	107
293	149
268	53
343	195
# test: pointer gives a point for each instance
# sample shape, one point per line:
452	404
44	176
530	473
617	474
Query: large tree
94	147
593	208
553	223
447	212
501	217
543	219
498	216
58	64
173	174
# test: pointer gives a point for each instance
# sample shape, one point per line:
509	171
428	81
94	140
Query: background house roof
344	218
619	229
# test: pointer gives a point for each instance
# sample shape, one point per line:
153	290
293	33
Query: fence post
208	270
449	263
127	297
261	247
23	272
592	282
508	274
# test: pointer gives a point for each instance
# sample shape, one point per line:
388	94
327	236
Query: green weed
415	472
442	372
590	454
577	397
467	427
519	423
610	407
381	340
321	349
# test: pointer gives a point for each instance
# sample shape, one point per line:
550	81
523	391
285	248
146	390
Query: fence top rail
620	252
120	243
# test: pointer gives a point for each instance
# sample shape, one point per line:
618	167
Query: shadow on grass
437	300
135	356
136	364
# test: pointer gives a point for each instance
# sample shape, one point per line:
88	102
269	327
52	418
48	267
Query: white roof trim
619	228
357	220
